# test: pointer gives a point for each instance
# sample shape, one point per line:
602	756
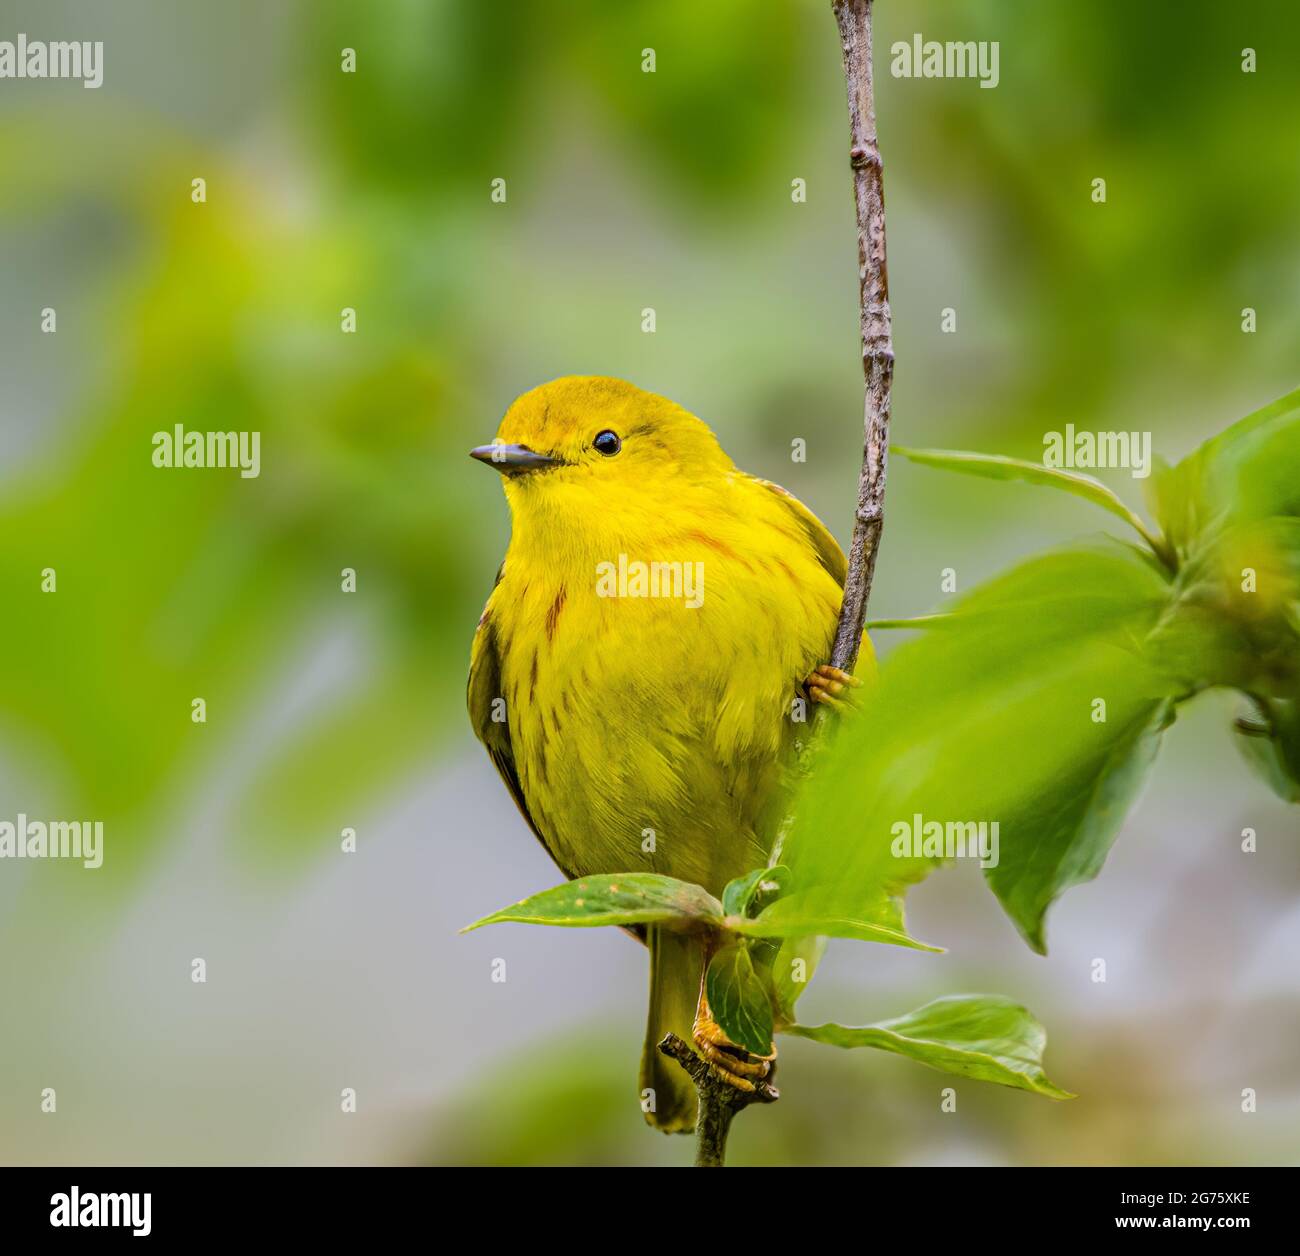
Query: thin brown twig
854	20
719	1102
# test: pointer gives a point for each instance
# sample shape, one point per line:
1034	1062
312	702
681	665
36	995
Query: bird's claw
728	1062
827	683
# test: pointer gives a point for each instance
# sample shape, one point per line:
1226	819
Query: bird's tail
675	963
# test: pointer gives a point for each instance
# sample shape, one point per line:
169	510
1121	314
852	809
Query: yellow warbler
636	669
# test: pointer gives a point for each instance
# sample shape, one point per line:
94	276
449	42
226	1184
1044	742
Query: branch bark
719	1102
854	20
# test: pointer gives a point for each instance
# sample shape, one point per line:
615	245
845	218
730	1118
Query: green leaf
773	885
1270	743
614	899
1275	416
792	969
1249	471
1224	630
744	892
982	1036
989	720
996	467
1252	470
736	895
916	621
738	999
1175	496
821	914
1072	826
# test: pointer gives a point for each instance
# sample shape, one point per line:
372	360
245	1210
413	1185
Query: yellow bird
635	673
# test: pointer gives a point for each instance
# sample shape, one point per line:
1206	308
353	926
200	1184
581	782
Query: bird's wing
826	546
485	686
483	689
832	558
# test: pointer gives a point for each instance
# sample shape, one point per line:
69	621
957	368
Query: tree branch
719	1102
854	20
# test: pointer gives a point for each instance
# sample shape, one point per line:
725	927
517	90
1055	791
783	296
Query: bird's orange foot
827	683
728	1062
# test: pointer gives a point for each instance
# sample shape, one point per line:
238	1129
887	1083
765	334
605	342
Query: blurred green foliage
176	585
1039	703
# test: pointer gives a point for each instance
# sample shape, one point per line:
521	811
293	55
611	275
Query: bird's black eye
607	443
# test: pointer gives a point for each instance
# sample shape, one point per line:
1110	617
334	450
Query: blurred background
329	711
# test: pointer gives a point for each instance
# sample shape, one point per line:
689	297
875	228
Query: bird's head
588	442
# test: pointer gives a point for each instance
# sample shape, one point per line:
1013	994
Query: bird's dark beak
512	459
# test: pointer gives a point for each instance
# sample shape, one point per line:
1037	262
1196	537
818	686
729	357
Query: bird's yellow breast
651	655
